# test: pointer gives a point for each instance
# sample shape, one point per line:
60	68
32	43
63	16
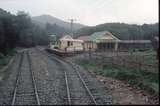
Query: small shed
67	43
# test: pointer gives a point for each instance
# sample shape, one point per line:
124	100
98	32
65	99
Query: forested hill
18	30
42	20
124	31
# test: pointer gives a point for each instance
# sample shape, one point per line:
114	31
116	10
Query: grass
148	56
141	79
5	59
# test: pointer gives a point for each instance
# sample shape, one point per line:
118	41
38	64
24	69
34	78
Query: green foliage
11	52
56	30
1	55
30	34
8	33
144	56
5	59
123	31
136	78
18	30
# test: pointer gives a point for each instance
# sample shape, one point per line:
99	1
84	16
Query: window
69	43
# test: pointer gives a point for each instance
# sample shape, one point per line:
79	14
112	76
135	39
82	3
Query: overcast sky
89	12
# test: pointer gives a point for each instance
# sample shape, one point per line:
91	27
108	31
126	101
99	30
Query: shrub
1	56
141	79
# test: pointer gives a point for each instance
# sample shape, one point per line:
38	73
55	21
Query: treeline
124	31
18	30
56	30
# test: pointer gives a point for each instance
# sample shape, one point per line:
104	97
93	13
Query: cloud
89	12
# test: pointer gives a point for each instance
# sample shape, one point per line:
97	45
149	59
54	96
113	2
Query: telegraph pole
72	20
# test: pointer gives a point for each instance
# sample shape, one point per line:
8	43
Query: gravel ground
97	88
25	94
78	91
50	80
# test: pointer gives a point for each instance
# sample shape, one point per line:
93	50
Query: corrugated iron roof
101	35
84	38
52	35
136	41
69	38
98	36
73	40
105	36
66	37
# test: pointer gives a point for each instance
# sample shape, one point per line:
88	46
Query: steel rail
17	79
68	91
66	79
83	82
33	79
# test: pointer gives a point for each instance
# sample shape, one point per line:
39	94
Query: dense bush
18	30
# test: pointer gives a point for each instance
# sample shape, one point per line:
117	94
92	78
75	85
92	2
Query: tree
7	31
123	31
18	30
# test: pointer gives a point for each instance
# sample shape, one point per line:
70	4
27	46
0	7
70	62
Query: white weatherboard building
67	43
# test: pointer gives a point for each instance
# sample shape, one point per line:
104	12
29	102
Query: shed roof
69	38
136	41
52	35
103	35
84	38
66	37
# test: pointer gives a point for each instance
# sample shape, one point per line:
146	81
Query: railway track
66	80
68	90
25	93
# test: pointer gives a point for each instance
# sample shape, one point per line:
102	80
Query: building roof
103	35
136	41
52	35
66	37
69	38
84	38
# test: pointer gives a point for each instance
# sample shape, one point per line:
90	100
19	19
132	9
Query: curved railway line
69	98
18	89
